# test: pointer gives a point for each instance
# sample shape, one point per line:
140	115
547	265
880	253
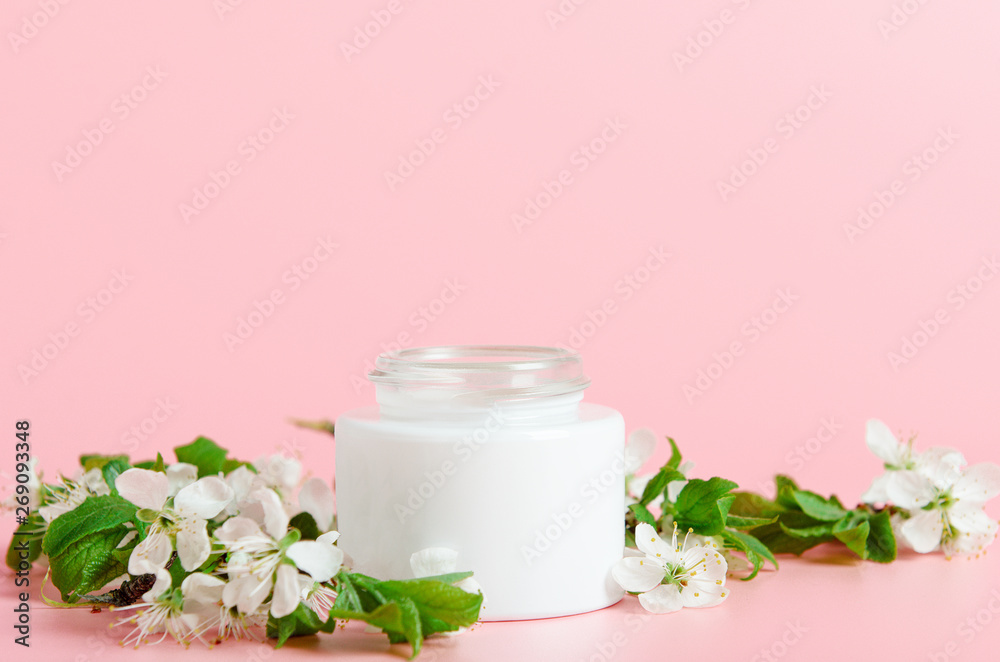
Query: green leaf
658	483
436	599
306	525
300	623
785	489
743	522
111	470
754	549
776	539
27	540
203	453
855	537
449	578
347	595
881	542
642	514
816	506
89	462
703	505
675	455
750	504
230	465
88	563
824	530
94	515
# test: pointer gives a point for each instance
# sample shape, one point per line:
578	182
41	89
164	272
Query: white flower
184	616
181	475
279	472
895	455
184	520
258	563
316	498
243	482
72	493
946	506
669	577
317	596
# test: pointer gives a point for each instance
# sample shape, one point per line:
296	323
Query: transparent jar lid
482	372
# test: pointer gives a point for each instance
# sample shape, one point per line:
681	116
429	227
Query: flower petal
908	489
329	537
321	560
876	493
639	448
161	584
144	488
275	517
235	528
980	483
205	498
637	574
316	498
647	540
970	518
662	600
181	475
433	561
151	554
201	587
923	530
883	442
246	593
286	591
193	545
942	466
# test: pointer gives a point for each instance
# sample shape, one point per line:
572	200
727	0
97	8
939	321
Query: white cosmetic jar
487	451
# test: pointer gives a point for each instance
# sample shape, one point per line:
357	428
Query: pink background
335	122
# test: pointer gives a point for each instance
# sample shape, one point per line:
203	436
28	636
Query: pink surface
172	168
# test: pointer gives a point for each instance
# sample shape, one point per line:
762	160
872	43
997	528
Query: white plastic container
490	452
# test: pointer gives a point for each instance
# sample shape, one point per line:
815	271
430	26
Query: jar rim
484	371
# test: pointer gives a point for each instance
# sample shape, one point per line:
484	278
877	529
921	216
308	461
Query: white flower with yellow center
671	576
183	520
